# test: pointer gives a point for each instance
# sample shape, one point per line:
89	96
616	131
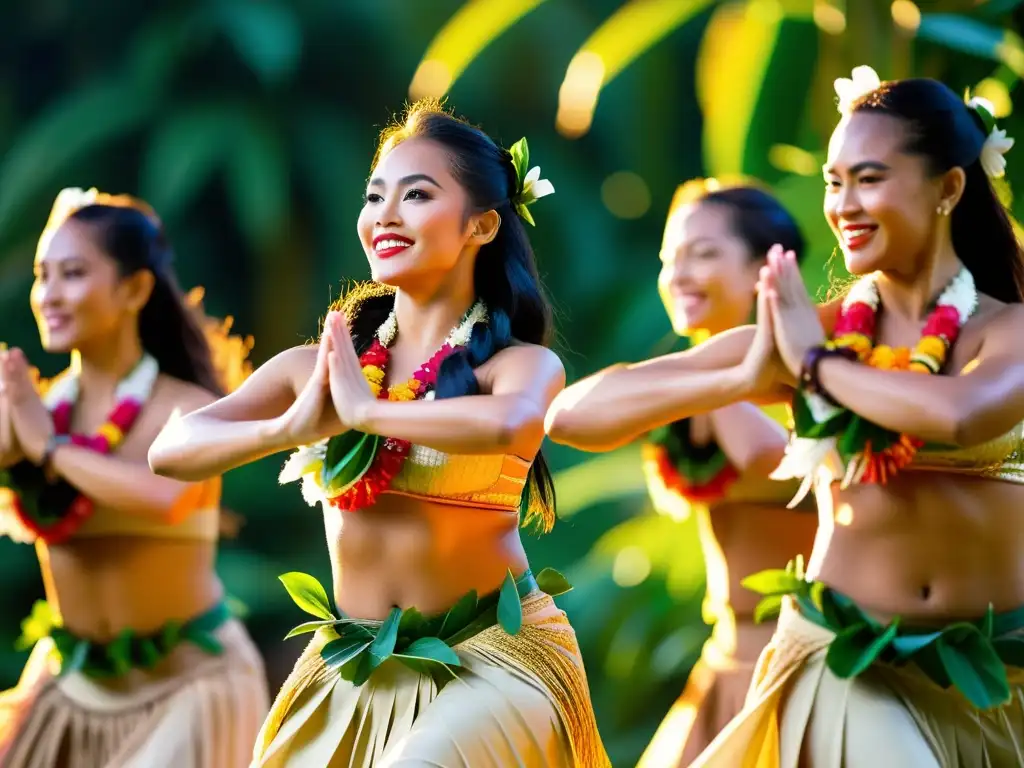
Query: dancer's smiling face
417	220
880	200
708	272
79	295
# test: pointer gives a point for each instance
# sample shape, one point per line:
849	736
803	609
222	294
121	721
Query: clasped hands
788	325
339	374
25	424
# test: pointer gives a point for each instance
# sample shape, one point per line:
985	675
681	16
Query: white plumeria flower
996	145
981	101
864	80
534	187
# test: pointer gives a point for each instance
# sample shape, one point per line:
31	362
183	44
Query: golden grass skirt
715	691
799	713
195	710
518	700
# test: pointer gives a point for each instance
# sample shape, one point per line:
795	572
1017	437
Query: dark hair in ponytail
949	134
757	218
505	275
168	328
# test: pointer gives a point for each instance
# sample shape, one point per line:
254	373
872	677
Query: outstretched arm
517	386
621	403
260	418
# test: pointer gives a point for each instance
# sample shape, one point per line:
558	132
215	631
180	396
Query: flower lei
833	442
349	471
700	474
34	507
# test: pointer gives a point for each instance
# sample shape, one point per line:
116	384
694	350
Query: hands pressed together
25	424
337	375
788	325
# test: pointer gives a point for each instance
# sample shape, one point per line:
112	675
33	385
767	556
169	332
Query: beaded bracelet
812	361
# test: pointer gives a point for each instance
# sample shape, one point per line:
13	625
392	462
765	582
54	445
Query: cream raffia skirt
518	700
798	713
195	710
714	693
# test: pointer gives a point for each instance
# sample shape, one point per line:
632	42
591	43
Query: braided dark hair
505	276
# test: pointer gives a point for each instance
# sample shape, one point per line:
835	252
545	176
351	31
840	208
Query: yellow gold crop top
998	459
493	481
195	515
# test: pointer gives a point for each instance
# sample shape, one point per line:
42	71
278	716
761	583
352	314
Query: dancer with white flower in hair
137	661
903	642
442	648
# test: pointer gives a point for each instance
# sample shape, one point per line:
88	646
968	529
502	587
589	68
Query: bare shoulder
171	394
532	357
1002	322
522	366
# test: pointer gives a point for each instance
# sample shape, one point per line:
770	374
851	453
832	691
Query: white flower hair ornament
997	143
531	186
863	81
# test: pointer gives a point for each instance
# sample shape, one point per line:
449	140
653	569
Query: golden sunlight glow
996	92
828	18
668	741
468	32
1011	53
631	567
623	37
626	195
844	515
577	96
906	14
792	159
722	69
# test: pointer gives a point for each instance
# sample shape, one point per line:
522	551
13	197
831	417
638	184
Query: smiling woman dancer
903	644
138	662
716	466
422	481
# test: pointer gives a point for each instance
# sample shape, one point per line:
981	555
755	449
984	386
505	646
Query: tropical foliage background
250	125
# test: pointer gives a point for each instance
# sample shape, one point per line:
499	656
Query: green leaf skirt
423	643
971	656
129	649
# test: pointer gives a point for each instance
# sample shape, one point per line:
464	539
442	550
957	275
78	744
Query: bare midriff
742	538
105	584
410	552
930	547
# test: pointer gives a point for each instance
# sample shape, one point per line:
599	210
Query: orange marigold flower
882	357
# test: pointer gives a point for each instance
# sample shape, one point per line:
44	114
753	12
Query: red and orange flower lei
867	452
35	507
363	466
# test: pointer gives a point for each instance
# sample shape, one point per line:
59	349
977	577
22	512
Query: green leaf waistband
970	656
420	642
129	649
